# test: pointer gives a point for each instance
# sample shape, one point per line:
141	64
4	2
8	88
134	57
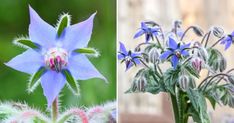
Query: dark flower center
178	54
56	59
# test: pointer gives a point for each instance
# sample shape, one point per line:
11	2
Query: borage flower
149	29
56	55
130	58
175	51
228	40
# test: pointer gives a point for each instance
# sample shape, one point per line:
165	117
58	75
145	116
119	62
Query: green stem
55	110
175	108
179	104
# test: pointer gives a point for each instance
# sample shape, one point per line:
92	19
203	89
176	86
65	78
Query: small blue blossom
56	54
149	32
175	51
130	58
227	41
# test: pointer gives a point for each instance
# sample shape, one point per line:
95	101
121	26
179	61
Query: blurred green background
14	21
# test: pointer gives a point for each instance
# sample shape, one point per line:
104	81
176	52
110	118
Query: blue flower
227	41
149	32
56	54
130	58
175	51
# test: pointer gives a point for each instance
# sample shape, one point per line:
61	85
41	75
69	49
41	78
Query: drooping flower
130	58
56	56
149	31
227	41
175	51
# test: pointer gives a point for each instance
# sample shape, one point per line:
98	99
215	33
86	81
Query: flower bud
151	23
200	51
197	64
146	52
186	82
198	31
218	32
154	55
223	64
137	49
231	79
141	84
216	60
177	24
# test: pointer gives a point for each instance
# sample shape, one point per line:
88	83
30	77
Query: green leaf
33	83
212	101
171	78
199	104
71	82
87	51
26	43
63	23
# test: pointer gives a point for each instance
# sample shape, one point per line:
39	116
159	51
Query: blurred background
148	108
14	21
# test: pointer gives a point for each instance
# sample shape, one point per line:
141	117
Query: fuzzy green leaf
87	51
171	78
27	43
199	104
71	82
33	83
63	23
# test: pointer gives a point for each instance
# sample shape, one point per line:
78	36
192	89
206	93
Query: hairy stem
185	32
217	42
159	44
55	110
207	39
175	108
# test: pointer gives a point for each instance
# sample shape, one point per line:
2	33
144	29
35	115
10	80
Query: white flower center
56	59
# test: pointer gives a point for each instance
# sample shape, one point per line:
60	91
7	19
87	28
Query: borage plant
187	59
56	57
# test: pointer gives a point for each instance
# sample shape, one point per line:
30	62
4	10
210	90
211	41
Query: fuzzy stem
159	44
217	42
207	39
55	110
175	108
185	32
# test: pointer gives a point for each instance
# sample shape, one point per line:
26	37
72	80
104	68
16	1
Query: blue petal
184	46
41	32
228	44
174	61
180	32
52	83
223	41
128	66
29	62
184	53
172	43
78	35
143	26
155	33
82	69
122	48
136	60
121	56
165	54
153	30
232	33
139	33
